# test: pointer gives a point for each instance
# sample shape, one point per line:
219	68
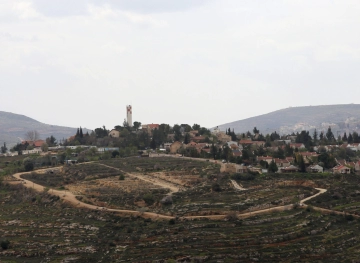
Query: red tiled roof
277	160
339	167
39	143
246	142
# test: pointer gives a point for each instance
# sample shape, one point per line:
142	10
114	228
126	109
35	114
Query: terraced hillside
40	228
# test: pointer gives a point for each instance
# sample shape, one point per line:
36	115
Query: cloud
156	6
60	8
15	10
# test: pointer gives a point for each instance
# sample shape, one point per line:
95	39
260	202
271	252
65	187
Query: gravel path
71	198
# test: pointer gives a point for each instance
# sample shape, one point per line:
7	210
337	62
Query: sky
80	62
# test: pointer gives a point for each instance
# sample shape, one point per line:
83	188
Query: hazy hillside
14	126
341	118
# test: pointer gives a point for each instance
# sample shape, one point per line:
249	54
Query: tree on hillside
274	136
51	141
153	144
81	135
330	135
289	151
272	167
203	131
4	148
327	159
345	138
101	132
301	163
350	138
255	130
44	147
186	127
196	127
305	138
186	138
315	137
279	153
356	137
213	150
136	125
32	135
28	164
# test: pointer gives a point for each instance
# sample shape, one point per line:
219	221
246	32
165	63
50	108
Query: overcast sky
80	62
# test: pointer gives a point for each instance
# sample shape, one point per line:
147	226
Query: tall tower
129	115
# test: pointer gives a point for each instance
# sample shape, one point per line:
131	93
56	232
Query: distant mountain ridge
14	126
341	118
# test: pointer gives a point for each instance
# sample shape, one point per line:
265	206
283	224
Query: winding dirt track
71	198
156	181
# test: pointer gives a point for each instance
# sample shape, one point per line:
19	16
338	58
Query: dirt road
237	186
71	198
153	180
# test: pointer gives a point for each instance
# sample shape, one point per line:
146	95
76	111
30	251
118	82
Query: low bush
5	244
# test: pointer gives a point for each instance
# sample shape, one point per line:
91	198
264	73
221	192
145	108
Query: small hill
341	118
14	126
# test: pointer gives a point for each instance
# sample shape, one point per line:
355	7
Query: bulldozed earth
204	216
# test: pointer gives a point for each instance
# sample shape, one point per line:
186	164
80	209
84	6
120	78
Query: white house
315	169
34	151
107	149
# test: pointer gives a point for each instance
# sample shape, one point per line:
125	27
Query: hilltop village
238	153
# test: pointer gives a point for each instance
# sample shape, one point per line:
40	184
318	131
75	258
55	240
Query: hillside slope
14	126
341	118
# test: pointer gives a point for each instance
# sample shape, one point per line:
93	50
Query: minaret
129	115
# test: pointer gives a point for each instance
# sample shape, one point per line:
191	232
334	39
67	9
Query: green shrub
216	187
149	199
122	177
28	164
5	244
349	217
244	177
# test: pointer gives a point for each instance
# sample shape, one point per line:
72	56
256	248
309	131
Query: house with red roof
281	162
341	169
36	144
297	145
267	159
246	142
149	127
309	156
